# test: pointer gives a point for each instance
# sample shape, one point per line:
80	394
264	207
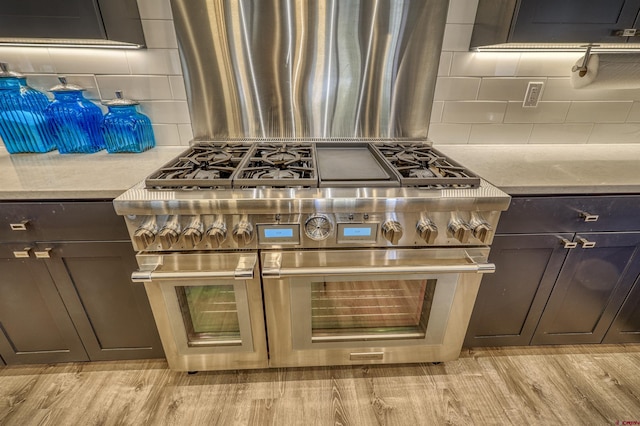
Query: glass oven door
348	307
208	309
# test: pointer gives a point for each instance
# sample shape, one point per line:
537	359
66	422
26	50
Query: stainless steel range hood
310	69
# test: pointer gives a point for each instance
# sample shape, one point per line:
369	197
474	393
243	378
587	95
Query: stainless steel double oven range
293	253
310	222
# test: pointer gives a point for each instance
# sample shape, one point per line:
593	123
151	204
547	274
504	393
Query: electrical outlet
534	90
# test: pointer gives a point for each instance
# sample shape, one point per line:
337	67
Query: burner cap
421	173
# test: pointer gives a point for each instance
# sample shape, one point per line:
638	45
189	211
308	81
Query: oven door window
210	315
330	310
206	315
371	309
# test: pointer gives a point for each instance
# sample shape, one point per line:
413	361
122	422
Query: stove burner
421	165
204	165
279	165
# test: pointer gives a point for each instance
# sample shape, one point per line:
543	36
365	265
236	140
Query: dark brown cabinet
60	20
590	289
35	325
626	326
511	300
553	21
565	266
110	313
65	287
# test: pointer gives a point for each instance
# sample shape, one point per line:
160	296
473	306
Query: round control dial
217	233
427	230
243	233
192	234
392	231
146	233
170	232
318	227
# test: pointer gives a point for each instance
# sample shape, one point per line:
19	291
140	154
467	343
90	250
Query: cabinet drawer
68	221
571	214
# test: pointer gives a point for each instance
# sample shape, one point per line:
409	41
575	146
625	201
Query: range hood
317	69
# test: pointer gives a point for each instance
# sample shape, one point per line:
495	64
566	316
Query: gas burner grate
204	165
279	165
420	165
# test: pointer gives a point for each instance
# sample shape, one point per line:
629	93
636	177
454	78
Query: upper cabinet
96	22
555	21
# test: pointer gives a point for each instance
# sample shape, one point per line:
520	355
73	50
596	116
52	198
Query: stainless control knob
192	234
217	233
392	231
170	233
482	230
427	230
460	230
146	233
243	233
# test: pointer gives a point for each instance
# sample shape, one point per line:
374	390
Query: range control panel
313	230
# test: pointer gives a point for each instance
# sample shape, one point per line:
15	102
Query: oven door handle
244	271
272	268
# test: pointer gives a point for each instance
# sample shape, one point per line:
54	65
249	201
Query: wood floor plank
582	385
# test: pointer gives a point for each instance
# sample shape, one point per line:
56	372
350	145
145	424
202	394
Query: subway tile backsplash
496	114
478	98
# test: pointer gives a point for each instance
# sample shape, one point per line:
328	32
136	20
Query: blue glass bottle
74	120
23	126
125	129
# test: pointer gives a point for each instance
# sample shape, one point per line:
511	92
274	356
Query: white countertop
516	169
553	169
76	176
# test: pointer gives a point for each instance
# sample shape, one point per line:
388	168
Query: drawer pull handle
588	217
568	244
22	226
586	243
366	356
22	254
45	254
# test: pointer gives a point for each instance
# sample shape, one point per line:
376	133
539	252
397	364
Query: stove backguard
327	69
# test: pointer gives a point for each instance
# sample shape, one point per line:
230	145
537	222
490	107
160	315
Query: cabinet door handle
44	254
626	32
21	254
588	217
586	243
22	226
568	244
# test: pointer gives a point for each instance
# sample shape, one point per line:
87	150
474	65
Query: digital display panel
278	232
271	234
357	232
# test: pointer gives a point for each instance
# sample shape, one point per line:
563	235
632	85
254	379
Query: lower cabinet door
110	312
511	300
595	280
34	324
626	326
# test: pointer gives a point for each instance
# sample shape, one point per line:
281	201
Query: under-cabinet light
559	47
58	42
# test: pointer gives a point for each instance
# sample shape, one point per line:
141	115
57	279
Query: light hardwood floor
568	385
